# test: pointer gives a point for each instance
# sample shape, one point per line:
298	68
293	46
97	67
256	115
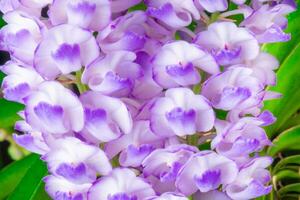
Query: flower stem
214	17
192	139
81	87
115	161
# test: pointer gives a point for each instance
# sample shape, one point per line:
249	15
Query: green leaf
291	122
2	22
237	18
295	160
290	197
40	193
31	187
270	196
12	174
204	146
140	6
2	75
288	139
287	76
8	114
292	188
262	198
221	114
286	174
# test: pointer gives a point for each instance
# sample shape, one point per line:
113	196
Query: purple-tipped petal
60	188
234	88
134	156
50	114
230	97
32	142
181	120
251	179
181	113
213	6
255	189
208	181
120	183
173	67
168	15
205	171
212	195
65	49
267	117
71	172
228	43
81	13
69	55
183	75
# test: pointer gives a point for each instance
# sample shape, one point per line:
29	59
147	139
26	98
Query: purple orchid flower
31	140
113	74
119	5
133	32
205	171
263	67
120	184
52	104
75	160
211	195
81	13
240	138
122	34
145	87
181	113
228	43
165	165
64	49
134	146
233	88
267	23
19	82
169	196
173	13
32	7
212	6
104	113
21	35
173	67
60	188
251	179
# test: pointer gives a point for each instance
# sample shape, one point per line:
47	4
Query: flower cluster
152	100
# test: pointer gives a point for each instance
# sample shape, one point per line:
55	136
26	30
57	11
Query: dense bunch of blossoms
120	103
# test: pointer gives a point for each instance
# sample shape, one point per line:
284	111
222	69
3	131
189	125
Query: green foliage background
22	179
